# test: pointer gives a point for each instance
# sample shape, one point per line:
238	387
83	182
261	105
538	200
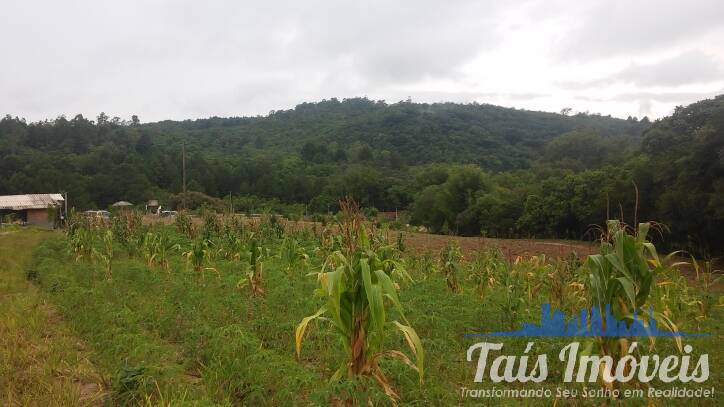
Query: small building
122	204
152	206
33	209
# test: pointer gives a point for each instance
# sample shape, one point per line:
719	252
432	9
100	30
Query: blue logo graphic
599	325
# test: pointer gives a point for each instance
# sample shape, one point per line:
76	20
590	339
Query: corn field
369	313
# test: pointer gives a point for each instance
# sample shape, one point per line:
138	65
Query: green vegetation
462	169
356	288
182	336
623	277
449	263
41	361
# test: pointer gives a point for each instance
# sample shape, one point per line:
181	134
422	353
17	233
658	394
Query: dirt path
512	248
41	362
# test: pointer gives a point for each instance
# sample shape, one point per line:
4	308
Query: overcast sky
191	59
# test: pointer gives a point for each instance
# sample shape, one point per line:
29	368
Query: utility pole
183	172
65	202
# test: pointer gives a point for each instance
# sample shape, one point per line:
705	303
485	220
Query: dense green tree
465	169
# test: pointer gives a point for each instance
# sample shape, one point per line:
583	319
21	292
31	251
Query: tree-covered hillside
493	137
466	169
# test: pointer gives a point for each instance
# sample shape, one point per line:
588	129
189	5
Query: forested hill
494	137
466	169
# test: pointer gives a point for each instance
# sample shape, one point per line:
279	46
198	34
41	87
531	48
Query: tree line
465	169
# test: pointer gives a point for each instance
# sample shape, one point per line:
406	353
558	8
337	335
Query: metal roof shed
32	208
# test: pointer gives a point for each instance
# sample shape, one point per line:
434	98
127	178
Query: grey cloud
400	42
179	58
165	59
645	100
688	68
664	97
466	97
609	28
691	67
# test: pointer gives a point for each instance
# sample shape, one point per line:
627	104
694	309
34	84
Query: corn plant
423	265
328	243
707	278
157	247
562	283
534	271
198	254
677	300
484	268
254	278
211	226
71	223
148	247
232	225
673	297
358	287
126	225
105	255
81	242
450	257
292	254
231	247
184	225
512	302
623	276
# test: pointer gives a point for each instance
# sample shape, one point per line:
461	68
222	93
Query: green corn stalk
81	242
624	275
535	274
424	264
677	298
450	257
157	247
254	278
232	248
105	255
184	225
148	244
562	284
198	254
126	225
483	270
359	290
513	288
211	225
292	254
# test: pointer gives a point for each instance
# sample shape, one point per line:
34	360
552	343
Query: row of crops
230	310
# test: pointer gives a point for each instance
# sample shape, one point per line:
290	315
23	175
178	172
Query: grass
41	362
178	336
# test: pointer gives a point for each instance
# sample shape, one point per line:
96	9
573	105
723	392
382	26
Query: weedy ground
41	361
177	334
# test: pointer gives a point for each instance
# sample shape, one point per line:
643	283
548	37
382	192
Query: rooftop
30	201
